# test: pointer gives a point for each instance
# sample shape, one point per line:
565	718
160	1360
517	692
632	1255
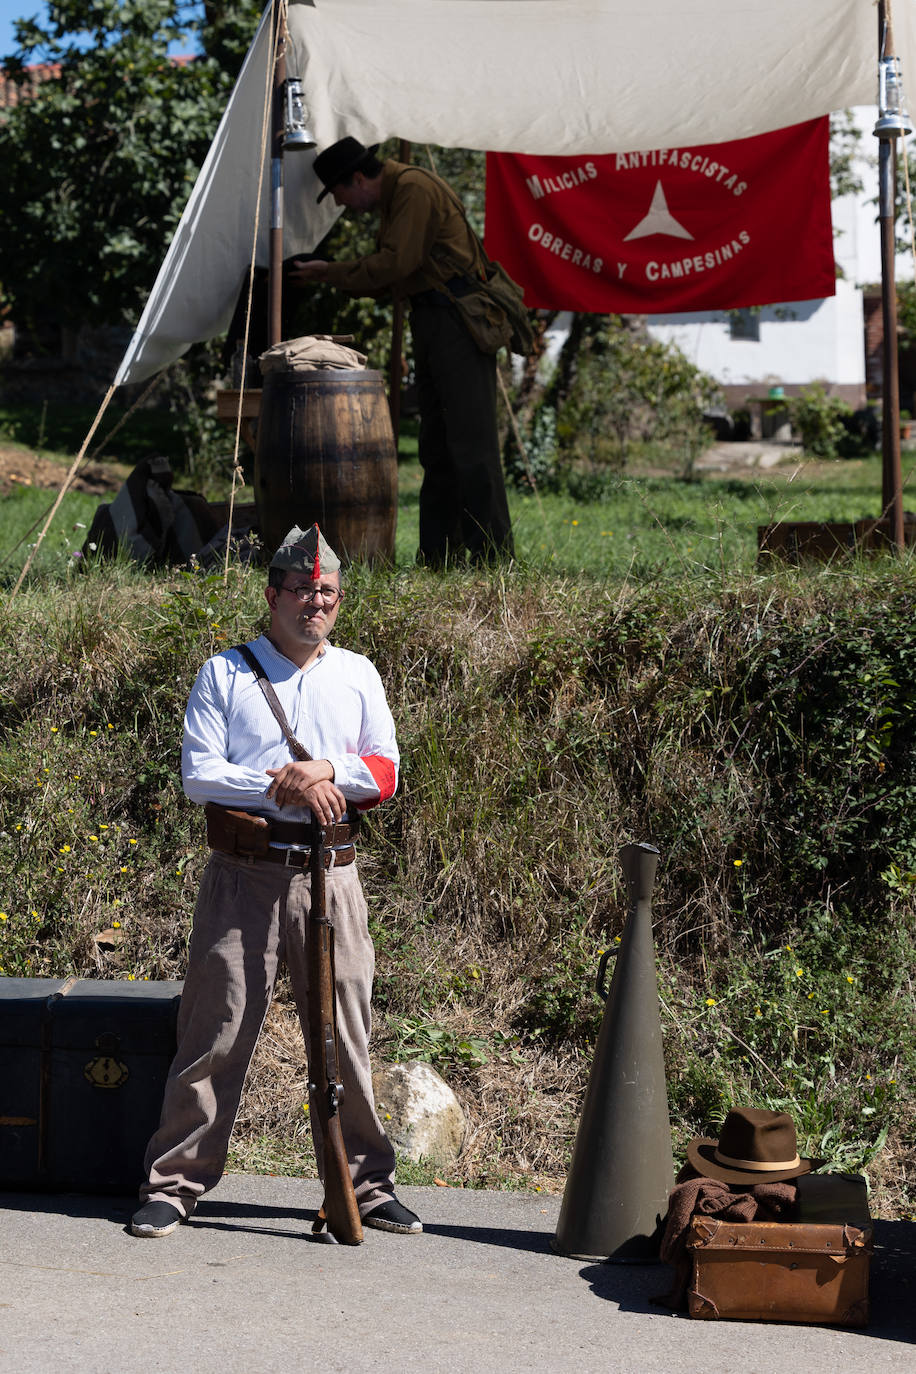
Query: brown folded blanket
695	1195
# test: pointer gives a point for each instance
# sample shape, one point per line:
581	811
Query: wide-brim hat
754	1146
340	161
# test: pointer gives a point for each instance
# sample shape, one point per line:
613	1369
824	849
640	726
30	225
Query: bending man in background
463	497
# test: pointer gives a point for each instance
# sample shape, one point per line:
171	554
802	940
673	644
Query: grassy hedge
759	731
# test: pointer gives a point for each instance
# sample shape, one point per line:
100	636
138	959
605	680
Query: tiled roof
13	92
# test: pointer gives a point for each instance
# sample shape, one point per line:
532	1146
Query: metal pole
891	476
892	122
397	336
275	306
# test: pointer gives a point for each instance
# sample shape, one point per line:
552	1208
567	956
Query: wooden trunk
83	1065
821	541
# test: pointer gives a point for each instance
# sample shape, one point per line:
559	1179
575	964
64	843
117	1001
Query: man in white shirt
251	911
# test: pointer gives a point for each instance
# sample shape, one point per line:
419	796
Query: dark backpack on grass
155	523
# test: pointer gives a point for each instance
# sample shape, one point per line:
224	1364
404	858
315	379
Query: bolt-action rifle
339	1208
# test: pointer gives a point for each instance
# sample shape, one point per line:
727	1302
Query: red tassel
316	569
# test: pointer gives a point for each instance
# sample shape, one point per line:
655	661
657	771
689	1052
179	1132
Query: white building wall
799	343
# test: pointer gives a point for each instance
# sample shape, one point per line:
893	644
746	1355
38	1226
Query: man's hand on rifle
308	783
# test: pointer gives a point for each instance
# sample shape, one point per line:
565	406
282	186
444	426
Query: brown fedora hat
755	1146
340	161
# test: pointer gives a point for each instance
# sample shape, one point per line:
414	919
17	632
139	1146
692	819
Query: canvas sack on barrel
312	352
755	1235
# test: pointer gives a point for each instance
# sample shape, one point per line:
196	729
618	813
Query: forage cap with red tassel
306	551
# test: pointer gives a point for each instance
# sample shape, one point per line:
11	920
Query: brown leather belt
297	832
248	837
299	858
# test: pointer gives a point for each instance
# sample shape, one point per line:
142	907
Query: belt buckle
294	849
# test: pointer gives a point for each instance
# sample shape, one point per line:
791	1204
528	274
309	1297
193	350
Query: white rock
421	1115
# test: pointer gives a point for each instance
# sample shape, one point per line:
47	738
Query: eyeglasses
329	595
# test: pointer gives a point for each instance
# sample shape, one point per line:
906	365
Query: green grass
643	526
649	525
23	512
646	527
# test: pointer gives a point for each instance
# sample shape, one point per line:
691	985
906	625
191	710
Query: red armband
384	776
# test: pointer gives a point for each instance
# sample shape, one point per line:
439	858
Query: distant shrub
820	421
626	388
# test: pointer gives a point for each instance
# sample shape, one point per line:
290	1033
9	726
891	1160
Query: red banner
675	229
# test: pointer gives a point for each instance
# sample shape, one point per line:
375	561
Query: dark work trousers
463	497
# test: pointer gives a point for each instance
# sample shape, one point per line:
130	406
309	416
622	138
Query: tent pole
397	336
275	297
887	131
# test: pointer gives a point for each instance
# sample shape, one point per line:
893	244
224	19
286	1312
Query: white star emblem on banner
659	220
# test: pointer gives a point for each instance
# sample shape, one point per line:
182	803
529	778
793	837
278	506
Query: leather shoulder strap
273	701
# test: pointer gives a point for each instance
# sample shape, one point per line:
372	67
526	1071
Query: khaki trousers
249	918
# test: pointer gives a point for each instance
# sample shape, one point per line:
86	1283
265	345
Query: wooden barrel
326	453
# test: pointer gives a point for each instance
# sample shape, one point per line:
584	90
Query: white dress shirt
336	708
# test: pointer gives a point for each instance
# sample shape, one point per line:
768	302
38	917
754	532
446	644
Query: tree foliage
845	155
99	160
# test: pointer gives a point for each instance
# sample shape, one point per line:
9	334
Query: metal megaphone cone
622	1170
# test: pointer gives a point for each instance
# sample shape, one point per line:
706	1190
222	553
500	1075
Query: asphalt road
244	1287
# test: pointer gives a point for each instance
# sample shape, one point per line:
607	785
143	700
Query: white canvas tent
538	76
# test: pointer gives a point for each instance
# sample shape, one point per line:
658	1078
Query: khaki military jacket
418	217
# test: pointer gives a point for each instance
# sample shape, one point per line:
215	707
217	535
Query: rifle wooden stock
325	1089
